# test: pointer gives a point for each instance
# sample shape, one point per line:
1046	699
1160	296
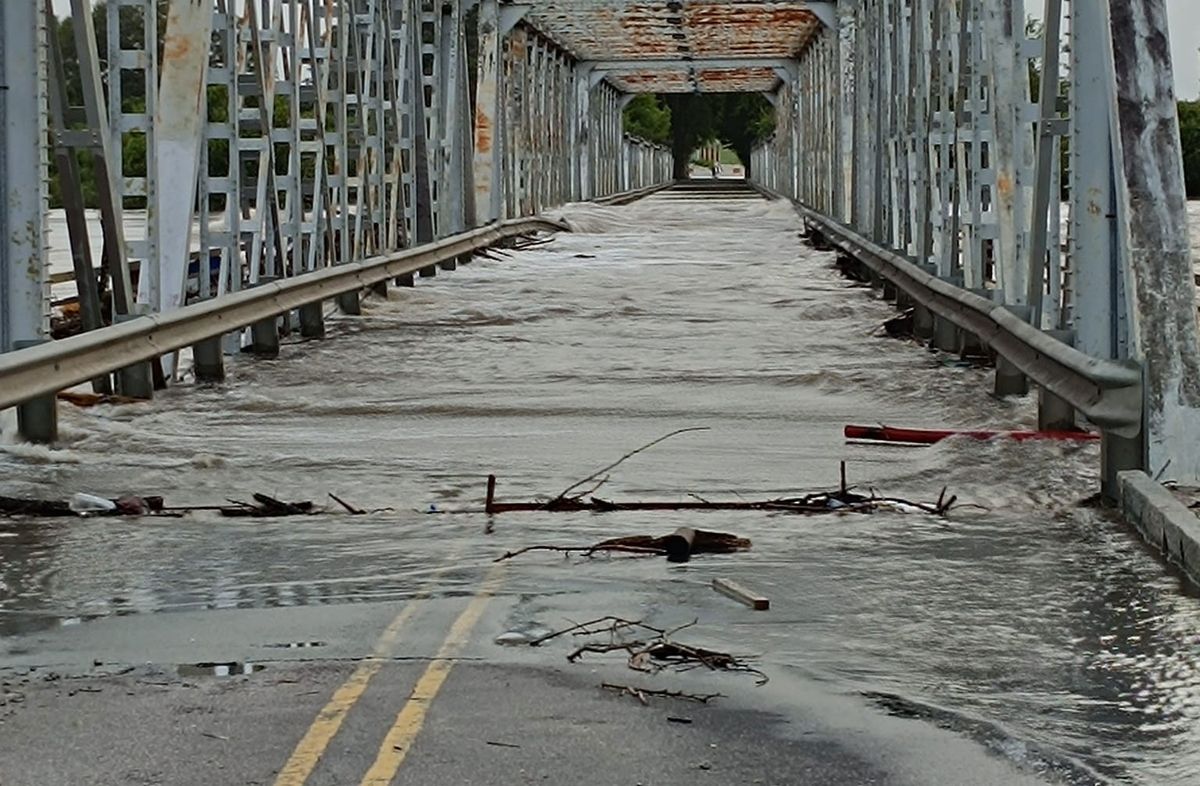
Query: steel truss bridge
308	149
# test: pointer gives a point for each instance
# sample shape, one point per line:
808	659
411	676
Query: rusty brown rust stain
175	47
1004	186
596	29
483	131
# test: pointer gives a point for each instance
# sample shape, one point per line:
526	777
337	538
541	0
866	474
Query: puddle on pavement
231	669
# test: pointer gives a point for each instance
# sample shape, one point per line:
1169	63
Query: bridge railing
238	144
1038	169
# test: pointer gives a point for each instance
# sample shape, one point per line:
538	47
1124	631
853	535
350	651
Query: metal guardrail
28	373
1108	393
626	197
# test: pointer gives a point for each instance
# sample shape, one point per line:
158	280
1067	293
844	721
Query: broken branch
641	693
623	459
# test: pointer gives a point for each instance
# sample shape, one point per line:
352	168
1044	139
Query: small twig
584	628
625	458
501	744
590	491
699	698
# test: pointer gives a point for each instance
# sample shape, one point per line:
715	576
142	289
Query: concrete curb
1164	521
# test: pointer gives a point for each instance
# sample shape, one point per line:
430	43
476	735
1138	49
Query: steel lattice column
23	126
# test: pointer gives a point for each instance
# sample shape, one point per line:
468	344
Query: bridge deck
676	311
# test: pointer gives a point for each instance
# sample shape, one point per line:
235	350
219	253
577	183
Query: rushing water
1034	624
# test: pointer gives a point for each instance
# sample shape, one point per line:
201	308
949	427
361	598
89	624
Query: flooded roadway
1029	624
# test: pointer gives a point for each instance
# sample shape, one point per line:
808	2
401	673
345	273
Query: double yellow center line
411	718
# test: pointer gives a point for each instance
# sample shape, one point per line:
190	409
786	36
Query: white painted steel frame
24	283
932	127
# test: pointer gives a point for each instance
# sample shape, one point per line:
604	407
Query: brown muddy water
1040	627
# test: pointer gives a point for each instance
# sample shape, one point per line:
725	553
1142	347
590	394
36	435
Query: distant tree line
1189	134
685	121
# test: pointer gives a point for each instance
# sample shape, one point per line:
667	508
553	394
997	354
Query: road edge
1162	520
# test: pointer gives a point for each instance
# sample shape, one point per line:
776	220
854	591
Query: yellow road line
412	716
312	746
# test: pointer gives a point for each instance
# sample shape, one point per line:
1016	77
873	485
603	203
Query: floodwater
1029	622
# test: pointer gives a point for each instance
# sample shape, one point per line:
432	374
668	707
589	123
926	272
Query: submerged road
1026	638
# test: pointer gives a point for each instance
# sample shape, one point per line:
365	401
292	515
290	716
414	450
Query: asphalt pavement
421	692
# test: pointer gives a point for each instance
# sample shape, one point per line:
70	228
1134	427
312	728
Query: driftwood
264	506
842	500
899	326
649	649
95	399
129	505
268	507
732	589
14	506
572	500
676	547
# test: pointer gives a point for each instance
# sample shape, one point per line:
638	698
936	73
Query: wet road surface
1027	638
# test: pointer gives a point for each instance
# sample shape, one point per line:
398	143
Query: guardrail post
1118	454
1009	379
349	303
945	332
312	320
1054	414
264	334
208	360
969	343
448	264
405	280
923	320
37	419
380	288
429	271
136	381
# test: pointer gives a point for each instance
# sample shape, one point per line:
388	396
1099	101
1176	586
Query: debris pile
83	504
648	649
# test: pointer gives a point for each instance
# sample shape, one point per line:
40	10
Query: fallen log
679	546
922	436
843	500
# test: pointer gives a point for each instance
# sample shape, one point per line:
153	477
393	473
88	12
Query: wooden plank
739	593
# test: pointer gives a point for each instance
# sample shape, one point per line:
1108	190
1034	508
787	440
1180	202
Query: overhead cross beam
634	65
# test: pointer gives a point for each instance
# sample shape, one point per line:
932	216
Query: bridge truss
913	137
273	139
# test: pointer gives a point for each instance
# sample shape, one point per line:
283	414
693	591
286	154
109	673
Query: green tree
648	117
746	120
1189	135
133	90
688	120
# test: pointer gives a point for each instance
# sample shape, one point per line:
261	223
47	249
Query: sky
1184	16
